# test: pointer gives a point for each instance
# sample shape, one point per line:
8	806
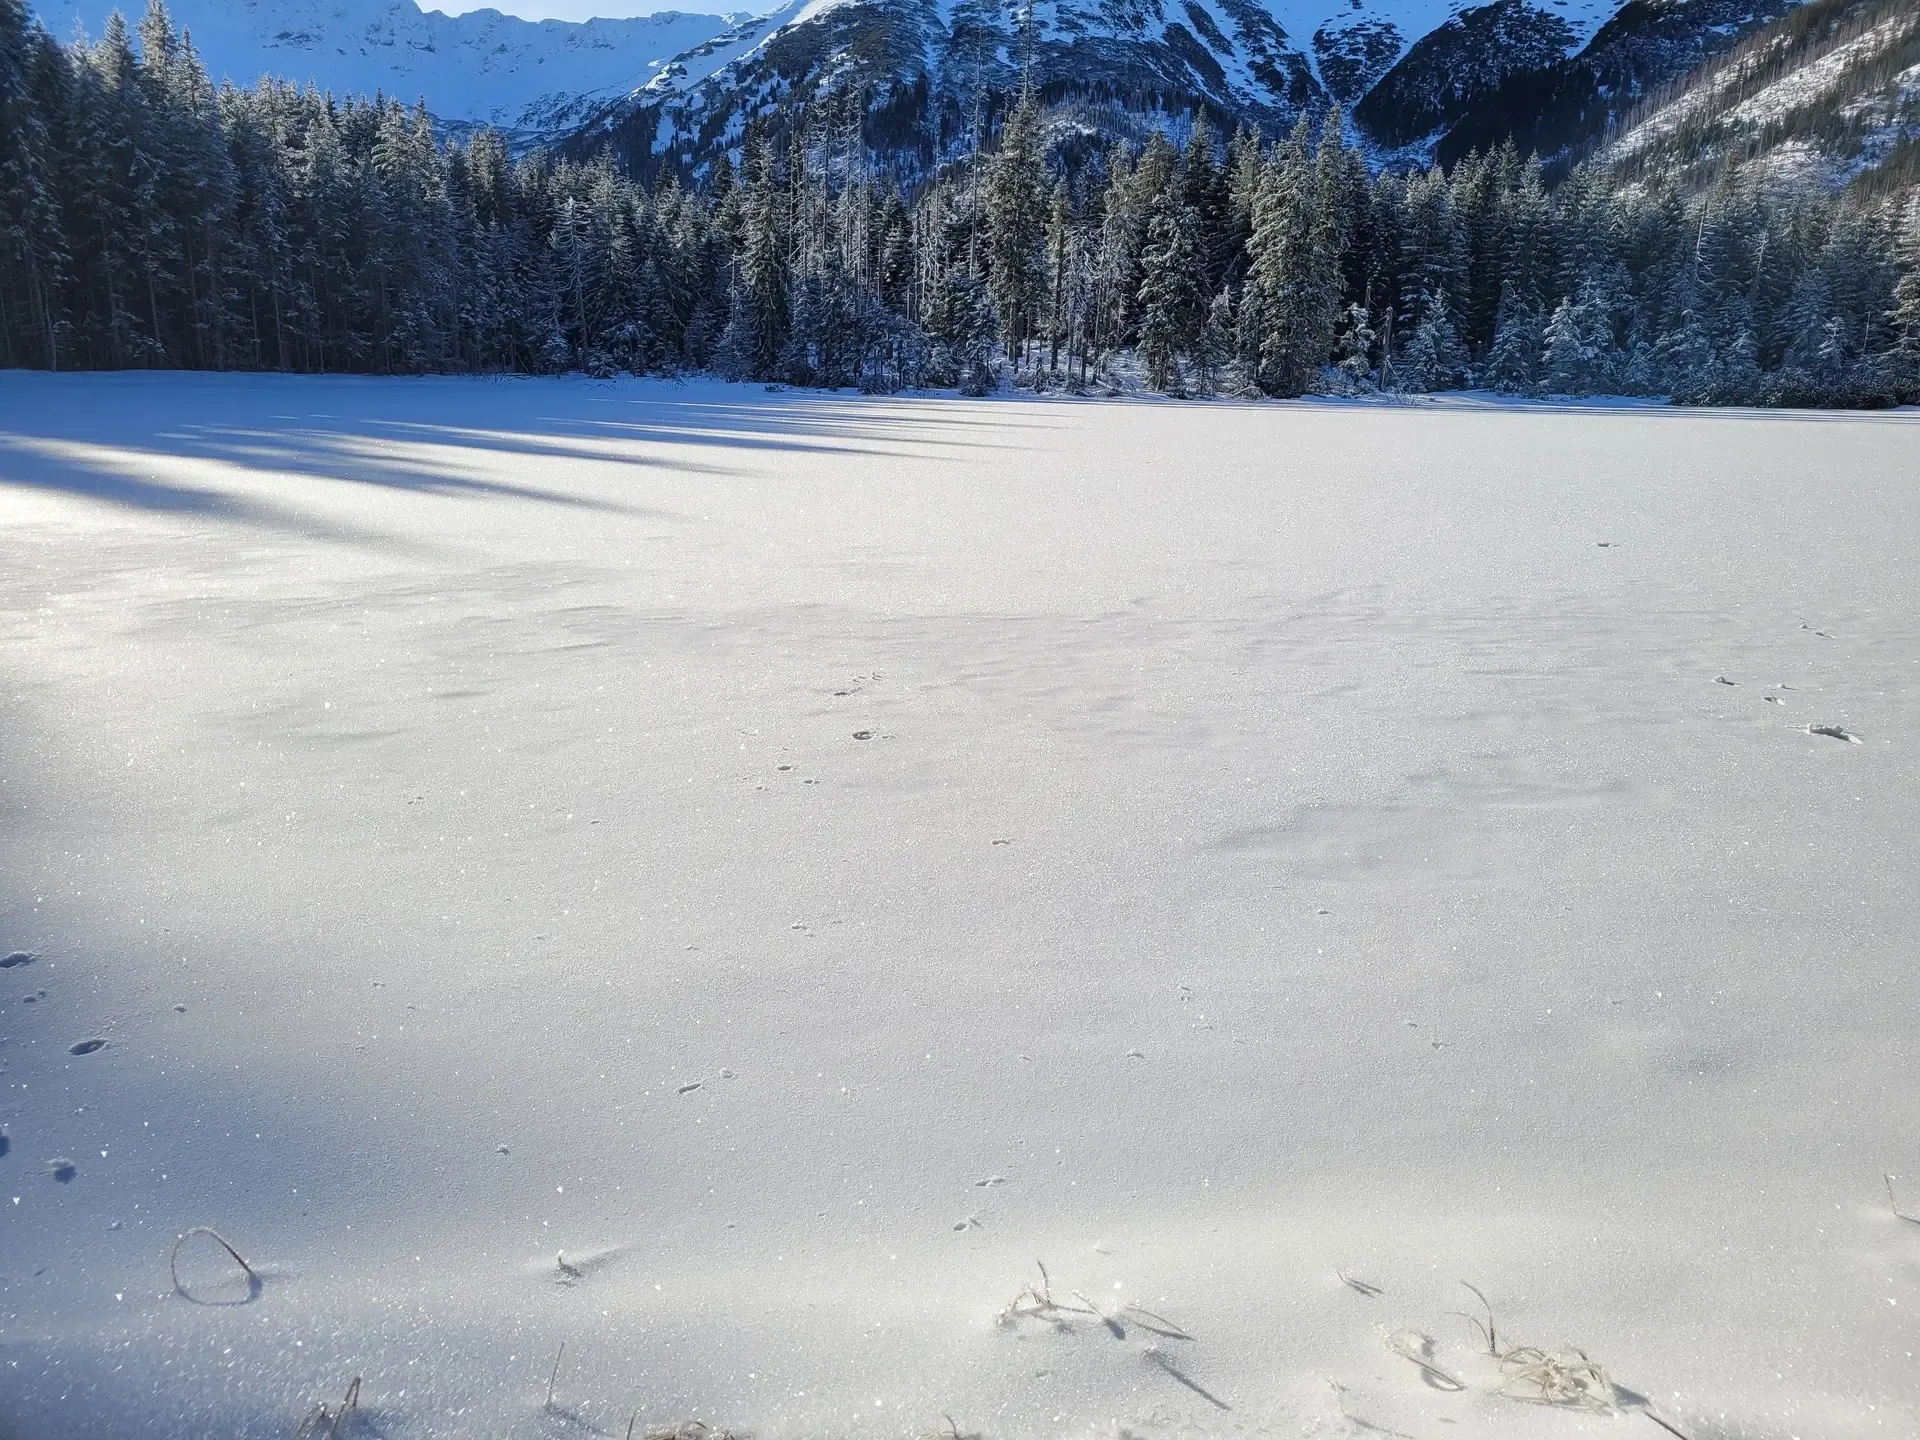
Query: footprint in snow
17	959
34	999
1834	732
5	1143
86	1047
62	1169
863	734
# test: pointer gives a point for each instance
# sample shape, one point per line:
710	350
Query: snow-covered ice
728	881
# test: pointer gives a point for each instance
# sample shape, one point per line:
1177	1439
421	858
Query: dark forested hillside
148	219
1561	106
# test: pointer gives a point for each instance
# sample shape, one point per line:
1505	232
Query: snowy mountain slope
1826	96
1408	70
481	67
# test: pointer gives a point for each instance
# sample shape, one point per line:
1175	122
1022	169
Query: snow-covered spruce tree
1213	352
1512	365
1355	348
1434	358
1292	298
1566	360
32	248
1202	187
1903	318
1016	227
1578	355
1173	306
964	341
755	337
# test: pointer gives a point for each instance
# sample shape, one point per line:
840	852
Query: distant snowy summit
532	78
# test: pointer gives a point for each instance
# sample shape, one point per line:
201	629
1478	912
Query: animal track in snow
86	1047
5	1143
17	959
1834	732
62	1169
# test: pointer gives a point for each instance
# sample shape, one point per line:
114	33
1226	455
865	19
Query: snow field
729	881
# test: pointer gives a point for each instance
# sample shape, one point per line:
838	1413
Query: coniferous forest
150	219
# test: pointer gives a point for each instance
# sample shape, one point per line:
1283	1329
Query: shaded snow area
730	883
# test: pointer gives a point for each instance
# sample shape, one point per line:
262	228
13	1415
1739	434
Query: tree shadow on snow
134	440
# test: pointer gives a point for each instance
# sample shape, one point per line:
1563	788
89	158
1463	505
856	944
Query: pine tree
1173	304
1355	348
1292	298
1512	365
1016	226
1904	317
755	336
32	246
1435	359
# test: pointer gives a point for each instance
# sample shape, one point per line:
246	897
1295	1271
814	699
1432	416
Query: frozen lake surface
729	881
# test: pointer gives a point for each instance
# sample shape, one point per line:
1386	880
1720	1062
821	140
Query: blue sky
587	9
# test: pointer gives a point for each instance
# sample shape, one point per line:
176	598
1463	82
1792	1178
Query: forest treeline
151	219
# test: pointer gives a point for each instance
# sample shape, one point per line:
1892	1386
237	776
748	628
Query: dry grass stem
254	1282
1155	1324
1487	1331
1037	1303
332	1424
554	1374
1364	1287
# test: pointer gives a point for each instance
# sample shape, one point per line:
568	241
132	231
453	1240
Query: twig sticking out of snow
336	1422
951	1432
1910	1219
554	1374
254	1282
1364	1287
